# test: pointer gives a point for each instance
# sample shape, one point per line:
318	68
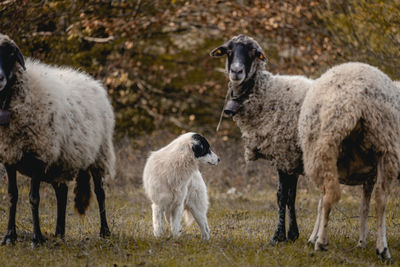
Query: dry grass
241	224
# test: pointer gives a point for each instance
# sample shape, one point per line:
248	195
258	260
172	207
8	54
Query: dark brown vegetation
153	55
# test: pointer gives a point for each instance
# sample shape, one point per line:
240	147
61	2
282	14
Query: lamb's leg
381	197
101	196
199	212
11	234
34	199
314	234
176	218
61	190
157	220
293	232
282	196
364	209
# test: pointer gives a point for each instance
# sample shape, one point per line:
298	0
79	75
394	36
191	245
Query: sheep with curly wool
341	128
55	124
266	108
349	130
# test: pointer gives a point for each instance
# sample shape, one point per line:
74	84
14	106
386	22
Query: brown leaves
155	61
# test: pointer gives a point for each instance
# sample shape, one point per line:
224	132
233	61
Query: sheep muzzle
231	108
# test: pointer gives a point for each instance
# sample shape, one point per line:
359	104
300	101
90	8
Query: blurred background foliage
153	56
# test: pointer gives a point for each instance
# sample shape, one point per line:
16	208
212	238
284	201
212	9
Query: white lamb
173	183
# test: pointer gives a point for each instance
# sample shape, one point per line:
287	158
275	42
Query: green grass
241	226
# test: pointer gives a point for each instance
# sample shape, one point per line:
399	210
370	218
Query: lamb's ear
219	51
19	56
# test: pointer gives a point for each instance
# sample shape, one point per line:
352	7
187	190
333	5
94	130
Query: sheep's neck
5	99
245	88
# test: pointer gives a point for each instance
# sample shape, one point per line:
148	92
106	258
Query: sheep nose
237	69
2	77
219	160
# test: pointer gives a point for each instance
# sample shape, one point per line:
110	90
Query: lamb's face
202	151
242	51
9	55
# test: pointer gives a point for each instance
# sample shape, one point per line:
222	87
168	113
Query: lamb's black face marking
201	147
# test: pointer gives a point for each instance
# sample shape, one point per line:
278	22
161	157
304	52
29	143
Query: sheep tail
82	192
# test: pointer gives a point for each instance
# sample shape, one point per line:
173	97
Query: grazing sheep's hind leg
61	190
331	195
101	196
364	209
282	197
381	192
11	235
293	232
157	220
314	234
34	199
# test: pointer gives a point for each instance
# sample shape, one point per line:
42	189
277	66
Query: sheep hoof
384	255
321	247
37	240
9	238
293	235
361	244
59	235
105	232
277	238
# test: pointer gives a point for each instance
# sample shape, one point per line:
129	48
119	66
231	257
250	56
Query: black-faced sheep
349	129
56	124
266	108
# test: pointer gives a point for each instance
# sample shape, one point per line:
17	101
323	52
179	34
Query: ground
241	225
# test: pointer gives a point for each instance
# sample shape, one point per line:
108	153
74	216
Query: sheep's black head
243	52
244	57
9	55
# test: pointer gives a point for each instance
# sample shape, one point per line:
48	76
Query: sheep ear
219	51
19	56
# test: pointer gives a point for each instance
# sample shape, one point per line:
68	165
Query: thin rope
222	112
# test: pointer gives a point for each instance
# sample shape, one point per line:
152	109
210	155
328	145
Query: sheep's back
344	96
64	116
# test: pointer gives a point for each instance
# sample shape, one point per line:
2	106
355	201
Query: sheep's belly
29	165
356	167
357	178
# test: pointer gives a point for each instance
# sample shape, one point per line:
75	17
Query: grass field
240	224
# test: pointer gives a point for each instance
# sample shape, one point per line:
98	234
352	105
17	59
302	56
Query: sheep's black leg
282	195
100	195
61	190
293	232
34	198
11	234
